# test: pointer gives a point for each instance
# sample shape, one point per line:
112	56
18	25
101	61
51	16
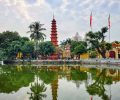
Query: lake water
59	83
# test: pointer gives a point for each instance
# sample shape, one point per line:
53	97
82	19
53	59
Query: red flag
91	20
109	22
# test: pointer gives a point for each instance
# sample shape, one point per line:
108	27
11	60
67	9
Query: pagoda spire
54	32
53	16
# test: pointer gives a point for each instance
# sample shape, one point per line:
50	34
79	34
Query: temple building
54	33
77	37
115	52
54	38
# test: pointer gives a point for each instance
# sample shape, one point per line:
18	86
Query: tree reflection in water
97	88
37	90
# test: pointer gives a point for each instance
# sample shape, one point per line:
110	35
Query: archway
112	54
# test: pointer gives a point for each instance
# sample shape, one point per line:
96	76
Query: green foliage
117	42
14	48
28	47
2	54
97	40
7	37
108	46
47	76
80	49
37	91
11	43
67	41
36	31
12	80
75	44
36	34
78	75
97	88
46	48
93	54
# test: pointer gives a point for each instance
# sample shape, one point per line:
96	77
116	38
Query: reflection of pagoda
54	87
54	37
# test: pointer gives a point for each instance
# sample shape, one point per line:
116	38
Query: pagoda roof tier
53	20
54	29
53	32
54	38
52	35
54	41
54	24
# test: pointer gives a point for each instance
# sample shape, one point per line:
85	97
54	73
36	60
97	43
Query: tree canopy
97	40
46	48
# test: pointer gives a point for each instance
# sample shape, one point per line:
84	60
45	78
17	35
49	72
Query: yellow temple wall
84	56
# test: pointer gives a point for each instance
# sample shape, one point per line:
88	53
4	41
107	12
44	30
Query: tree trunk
103	54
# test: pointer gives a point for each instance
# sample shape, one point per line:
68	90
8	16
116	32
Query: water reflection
13	78
97	88
37	91
38	79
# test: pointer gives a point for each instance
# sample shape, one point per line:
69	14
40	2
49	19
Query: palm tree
36	33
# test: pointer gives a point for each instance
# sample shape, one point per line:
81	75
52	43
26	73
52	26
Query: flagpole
91	28
109	26
109	35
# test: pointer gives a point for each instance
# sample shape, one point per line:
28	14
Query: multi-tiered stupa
54	33
54	38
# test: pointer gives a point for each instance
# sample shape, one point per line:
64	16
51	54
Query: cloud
71	15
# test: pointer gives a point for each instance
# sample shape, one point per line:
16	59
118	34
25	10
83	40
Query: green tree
46	48
28	48
97	39
13	49
7	37
36	33
11	43
80	49
67	41
93	54
2	54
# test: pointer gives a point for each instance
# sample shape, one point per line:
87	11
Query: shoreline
67	62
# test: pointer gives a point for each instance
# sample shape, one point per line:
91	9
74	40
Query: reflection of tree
97	88
37	91
78	75
50	77
12	80
47	76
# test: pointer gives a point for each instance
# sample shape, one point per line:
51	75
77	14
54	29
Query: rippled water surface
59	83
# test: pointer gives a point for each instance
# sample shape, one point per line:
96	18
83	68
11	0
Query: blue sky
71	15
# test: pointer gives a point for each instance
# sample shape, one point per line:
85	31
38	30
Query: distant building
115	52
77	37
66	51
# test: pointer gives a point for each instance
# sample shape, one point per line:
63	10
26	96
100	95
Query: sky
71	15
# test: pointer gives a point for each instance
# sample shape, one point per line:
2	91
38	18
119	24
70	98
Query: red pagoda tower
54	33
54	37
